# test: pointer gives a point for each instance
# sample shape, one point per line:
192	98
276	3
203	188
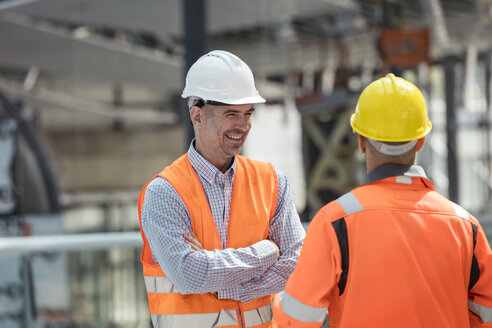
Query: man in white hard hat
221	232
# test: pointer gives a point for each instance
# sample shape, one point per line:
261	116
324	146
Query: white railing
26	250
68	242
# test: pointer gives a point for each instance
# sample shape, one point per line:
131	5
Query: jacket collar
393	170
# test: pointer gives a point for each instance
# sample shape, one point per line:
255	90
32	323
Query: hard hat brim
232	101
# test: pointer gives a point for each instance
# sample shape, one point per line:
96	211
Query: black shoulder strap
341	231
350	205
475	270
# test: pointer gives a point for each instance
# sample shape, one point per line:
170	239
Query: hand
193	242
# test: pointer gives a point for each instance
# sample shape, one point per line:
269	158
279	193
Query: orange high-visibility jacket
391	253
253	205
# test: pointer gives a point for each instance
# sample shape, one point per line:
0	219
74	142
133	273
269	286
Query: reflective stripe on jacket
253	205
391	253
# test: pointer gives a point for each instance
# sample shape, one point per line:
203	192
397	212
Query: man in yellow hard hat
392	252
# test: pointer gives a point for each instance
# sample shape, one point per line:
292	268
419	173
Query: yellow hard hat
391	109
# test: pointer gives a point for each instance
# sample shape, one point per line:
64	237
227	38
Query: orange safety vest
392	253
253	205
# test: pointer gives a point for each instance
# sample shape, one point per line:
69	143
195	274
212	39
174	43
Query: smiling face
221	131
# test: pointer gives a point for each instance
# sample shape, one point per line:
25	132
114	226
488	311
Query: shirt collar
204	168
393	170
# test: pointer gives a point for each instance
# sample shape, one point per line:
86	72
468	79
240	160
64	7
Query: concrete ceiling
164	18
60	53
139	43
38	33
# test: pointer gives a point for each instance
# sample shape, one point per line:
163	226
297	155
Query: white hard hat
223	77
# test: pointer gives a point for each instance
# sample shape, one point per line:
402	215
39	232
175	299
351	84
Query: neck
376	160
222	164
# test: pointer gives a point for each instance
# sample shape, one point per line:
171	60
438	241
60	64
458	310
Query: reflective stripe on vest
485	313
349	203
163	285
258	316
460	211
252	318
301	311
221	319
159	285
403	179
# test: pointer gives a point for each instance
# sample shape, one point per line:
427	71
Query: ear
196	115
420	144
362	144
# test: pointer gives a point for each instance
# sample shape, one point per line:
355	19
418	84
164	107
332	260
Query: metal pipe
451	125
13	246
30	308
487	124
194	43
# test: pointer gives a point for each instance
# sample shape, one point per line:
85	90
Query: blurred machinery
329	148
29	206
327	97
